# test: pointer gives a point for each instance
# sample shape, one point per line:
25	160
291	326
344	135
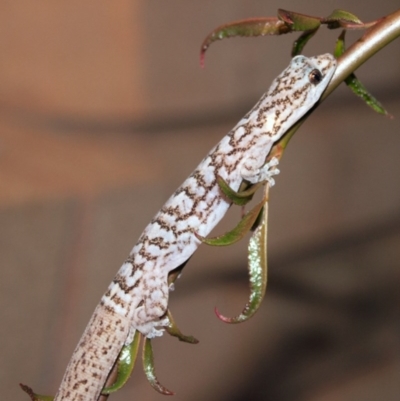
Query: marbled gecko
137	298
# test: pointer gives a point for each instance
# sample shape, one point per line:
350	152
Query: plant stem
375	39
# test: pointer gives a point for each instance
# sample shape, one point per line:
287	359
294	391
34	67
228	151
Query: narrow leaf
173	330
246	27
251	190
238	232
148	365
299	22
360	90
35	397
344	19
126	362
340	46
355	84
239	198
257	264
298	45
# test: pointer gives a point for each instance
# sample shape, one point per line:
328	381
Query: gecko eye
315	77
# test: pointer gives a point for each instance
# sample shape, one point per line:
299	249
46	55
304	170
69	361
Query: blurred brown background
104	111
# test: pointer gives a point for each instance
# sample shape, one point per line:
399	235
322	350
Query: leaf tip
224	318
202	57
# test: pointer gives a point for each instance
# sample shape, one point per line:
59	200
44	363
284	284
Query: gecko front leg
251	171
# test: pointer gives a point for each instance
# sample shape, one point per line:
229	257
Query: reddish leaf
299	22
246	27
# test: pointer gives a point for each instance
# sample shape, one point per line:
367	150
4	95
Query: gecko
137	298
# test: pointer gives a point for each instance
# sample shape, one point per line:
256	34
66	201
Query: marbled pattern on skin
137	298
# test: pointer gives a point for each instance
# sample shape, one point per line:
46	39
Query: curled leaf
126	362
246	193
173	330
239	198
238	232
257	264
246	27
35	397
148	366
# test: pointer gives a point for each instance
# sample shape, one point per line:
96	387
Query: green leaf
355	84
298	45
35	397
361	91
299	22
238	232
126	362
257	264
148	365
239	198
344	19
340	46
251	190
173	330
342	15
246	27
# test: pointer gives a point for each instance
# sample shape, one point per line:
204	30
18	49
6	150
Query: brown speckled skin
137	298
94	356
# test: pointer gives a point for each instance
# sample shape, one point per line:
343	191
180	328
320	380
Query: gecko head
296	90
317	72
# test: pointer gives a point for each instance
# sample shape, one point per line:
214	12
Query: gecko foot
153	329
255	175
268	170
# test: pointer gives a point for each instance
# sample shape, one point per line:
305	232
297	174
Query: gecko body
137	298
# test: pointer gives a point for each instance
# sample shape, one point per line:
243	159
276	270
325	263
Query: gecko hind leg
151	316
